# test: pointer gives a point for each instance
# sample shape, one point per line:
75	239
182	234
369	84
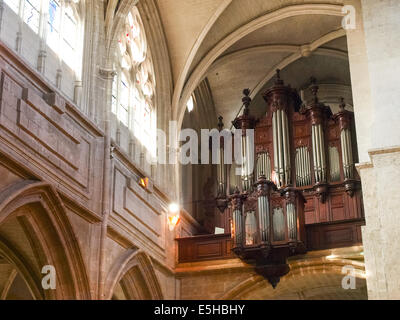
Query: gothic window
61	31
54	23
134	86
31	14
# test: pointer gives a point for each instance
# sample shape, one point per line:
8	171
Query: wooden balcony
319	237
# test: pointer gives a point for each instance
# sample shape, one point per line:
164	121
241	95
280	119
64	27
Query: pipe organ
304	191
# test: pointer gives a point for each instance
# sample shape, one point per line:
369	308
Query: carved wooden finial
246	101
342	105
278	80
220	123
314	88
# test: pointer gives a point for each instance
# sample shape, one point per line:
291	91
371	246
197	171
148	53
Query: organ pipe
263	166
247	174
251	228
263	213
347	154
282	166
303	167
344	119
291	216
237	226
264	189
278	220
334	164
319	153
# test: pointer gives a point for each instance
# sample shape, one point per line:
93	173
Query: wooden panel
204	247
328	236
210	249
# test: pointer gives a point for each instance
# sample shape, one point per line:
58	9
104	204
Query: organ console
304	191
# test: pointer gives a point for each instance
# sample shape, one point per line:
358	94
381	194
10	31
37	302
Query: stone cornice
376	152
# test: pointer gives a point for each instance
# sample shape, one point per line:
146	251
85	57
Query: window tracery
134	85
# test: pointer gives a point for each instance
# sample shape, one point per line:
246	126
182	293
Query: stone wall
374	54
52	191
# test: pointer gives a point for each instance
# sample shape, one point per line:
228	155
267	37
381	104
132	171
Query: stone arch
132	267
37	211
320	279
271	17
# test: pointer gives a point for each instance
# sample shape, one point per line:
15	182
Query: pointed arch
321	270
42	215
134	260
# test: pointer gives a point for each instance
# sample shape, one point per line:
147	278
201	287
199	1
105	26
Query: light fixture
173	216
173	208
144	182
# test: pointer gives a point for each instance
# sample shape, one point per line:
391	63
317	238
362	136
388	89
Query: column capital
107	74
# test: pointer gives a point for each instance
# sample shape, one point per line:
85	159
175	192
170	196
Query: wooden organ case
307	147
304	191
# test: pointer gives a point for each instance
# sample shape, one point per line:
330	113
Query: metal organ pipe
334	164
319	153
303	170
286	147
291	220
263	166
347	153
275	139
263	213
247	176
281	147
237	227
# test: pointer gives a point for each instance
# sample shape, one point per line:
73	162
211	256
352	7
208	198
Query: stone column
374	55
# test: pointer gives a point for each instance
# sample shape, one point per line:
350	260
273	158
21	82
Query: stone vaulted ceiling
239	43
